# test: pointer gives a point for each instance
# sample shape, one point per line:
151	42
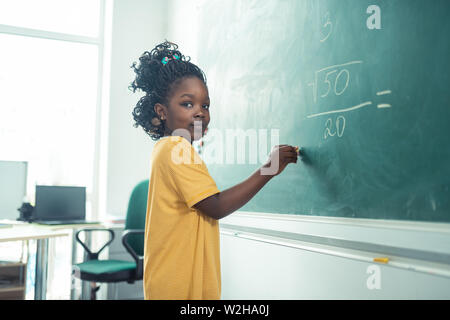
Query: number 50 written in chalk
346	78
331	79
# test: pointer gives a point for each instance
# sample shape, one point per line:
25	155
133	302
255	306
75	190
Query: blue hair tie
166	59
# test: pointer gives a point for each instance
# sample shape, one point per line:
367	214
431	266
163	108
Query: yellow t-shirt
181	254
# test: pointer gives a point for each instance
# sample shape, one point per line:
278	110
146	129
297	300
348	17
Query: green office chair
95	270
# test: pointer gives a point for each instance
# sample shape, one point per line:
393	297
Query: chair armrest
91	255
139	259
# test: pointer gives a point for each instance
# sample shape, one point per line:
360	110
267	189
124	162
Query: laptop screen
60	203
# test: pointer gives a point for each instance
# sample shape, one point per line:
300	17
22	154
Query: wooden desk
26	231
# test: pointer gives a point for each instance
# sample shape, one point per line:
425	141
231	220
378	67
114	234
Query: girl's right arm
222	204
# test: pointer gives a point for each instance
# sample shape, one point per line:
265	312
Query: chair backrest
136	212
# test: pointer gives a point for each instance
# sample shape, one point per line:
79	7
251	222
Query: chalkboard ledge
422	226
428	241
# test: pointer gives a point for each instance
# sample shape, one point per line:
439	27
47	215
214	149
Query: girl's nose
200	113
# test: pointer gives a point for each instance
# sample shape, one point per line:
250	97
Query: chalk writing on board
383	93
329	78
334	80
337	129
328	27
359	106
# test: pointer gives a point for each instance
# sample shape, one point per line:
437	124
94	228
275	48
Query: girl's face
188	103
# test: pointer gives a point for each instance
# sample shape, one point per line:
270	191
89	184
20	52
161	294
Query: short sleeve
190	173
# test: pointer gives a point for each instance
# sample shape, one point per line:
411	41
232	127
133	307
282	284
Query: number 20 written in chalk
332	129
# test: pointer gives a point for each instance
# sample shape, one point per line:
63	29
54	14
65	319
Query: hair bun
150	64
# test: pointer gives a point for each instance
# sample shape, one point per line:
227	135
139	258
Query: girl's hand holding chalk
280	157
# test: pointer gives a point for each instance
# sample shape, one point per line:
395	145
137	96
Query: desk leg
40	287
73	288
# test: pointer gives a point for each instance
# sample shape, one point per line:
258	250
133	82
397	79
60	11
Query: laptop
56	205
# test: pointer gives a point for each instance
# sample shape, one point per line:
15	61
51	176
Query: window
49	96
51	69
50	89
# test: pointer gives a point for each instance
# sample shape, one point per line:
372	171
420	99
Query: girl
182	259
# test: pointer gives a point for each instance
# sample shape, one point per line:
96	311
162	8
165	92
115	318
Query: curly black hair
157	79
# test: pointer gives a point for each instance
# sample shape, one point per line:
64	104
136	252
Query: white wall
138	25
263	266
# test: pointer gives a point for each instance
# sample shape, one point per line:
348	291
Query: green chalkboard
364	90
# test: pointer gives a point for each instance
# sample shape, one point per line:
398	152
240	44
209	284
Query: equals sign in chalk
382	93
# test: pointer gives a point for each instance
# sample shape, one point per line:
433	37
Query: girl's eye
188	105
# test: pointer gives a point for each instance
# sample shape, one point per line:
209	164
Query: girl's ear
160	110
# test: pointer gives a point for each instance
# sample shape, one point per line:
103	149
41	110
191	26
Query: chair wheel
94	289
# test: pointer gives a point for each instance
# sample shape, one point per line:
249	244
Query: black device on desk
57	205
